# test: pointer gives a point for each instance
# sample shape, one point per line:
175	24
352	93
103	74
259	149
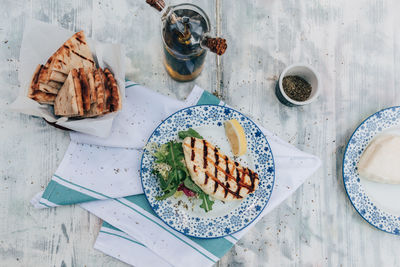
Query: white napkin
134	234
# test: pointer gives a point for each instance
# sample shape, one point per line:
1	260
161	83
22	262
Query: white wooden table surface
353	44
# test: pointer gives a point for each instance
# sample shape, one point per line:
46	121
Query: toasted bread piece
35	77
49	88
74	53
107	92
97	108
116	101
90	77
85	89
66	103
42	98
34	92
40	72
57	76
78	91
99	85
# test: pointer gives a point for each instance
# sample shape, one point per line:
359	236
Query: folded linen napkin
108	169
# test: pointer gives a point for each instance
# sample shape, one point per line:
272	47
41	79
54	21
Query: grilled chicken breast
215	173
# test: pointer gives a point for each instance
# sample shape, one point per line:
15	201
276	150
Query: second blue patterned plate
377	203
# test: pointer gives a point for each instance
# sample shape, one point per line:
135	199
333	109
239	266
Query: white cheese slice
380	161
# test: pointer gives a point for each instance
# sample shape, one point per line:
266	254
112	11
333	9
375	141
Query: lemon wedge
236	136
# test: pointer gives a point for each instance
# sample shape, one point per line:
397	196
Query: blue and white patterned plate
361	192
226	218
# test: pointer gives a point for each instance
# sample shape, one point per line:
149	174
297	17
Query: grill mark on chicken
227	190
194	168
192	140
206	180
216	163
253	177
205	152
237	176
227	171
192	146
216	156
215	187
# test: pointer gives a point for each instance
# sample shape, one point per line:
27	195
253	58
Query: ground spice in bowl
296	88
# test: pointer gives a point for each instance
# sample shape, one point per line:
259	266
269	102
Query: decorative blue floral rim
249	209
368	129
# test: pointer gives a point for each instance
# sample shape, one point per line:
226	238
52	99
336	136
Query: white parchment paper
40	41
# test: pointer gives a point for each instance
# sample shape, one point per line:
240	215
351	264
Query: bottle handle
159	5
216	45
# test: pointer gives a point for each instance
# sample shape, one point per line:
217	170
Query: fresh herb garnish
207	203
172	172
189	133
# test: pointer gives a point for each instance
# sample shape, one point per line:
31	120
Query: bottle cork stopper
216	45
157	4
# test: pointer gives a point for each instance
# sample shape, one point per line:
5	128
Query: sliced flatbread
99	85
85	89
107	93
57	76
78	91
90	77
97	107
48	79
74	53
51	87
66	103
34	92
42	98
69	99
116	101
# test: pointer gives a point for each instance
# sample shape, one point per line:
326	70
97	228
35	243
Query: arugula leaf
207	203
175	155
188	182
189	133
167	195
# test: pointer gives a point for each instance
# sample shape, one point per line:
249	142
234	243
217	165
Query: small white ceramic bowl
304	71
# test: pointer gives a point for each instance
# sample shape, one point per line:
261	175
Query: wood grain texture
353	44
